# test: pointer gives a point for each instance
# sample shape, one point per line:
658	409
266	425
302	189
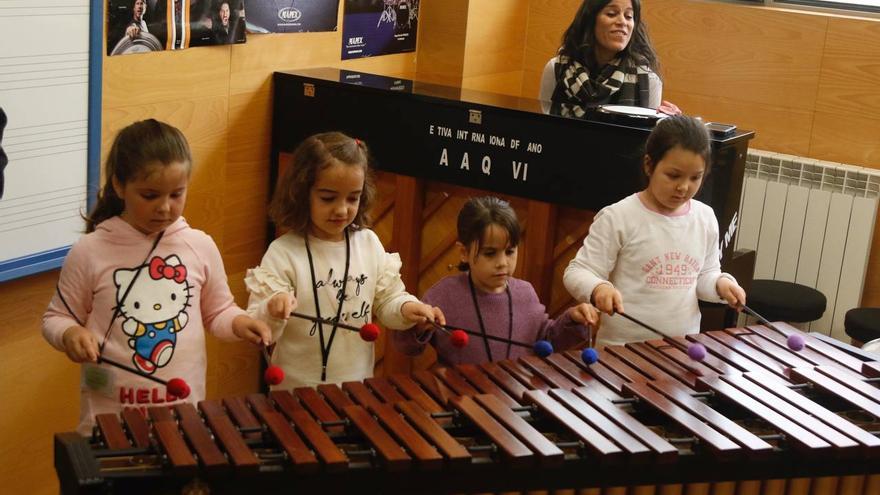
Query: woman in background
607	57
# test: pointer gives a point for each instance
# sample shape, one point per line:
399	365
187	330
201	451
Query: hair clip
357	141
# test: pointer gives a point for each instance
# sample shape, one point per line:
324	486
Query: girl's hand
607	299
585	314
419	312
731	292
80	345
668	108
281	305
251	330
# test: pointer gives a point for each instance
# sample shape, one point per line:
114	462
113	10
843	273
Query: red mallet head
178	388
795	342
697	352
589	355
370	332
543	348
273	375
458	338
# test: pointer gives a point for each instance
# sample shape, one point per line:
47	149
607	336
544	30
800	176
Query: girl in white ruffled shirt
328	265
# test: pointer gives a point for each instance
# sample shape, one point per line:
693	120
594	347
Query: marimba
752	418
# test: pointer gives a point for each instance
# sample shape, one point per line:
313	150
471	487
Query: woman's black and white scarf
576	91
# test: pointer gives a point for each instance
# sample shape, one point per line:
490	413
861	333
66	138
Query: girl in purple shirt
485	298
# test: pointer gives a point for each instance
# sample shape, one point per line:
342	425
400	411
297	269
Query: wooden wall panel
850	69
847	120
494	36
508	83
547	21
39	388
849	139
757	55
160	77
442	36
782	129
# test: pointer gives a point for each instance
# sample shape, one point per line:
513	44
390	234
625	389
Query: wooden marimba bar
752	418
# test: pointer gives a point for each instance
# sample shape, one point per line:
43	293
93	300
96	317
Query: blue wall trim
96	61
32	263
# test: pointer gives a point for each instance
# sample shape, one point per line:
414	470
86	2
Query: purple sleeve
563	332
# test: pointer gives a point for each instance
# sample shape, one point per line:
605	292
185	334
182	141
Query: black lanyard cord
118	308
480	318
325	350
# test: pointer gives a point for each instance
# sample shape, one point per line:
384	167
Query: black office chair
786	301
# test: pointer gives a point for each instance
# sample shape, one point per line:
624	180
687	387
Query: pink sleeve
71	303
218	305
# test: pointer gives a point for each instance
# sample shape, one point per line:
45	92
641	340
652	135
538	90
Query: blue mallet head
543	348
589	355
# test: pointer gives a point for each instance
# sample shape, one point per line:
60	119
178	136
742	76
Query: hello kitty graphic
154	309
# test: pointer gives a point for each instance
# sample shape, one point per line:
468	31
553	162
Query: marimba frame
516	414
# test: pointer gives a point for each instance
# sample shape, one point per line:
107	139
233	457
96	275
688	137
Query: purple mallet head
697	352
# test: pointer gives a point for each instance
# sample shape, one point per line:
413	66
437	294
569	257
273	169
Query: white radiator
810	222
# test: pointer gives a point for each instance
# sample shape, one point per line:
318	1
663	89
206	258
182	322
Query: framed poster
291	16
379	27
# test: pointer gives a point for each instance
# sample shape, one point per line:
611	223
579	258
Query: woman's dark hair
290	207
478	214
579	40
678	130
134	153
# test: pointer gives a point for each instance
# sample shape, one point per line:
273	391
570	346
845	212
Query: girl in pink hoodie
141	287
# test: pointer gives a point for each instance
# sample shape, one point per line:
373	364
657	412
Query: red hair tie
357	141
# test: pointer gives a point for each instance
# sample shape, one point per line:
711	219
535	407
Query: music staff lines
43	219
64	152
46	58
7	200
69	199
72	83
60	62
49	73
30	11
17	145
35	152
34	199
44	128
59	134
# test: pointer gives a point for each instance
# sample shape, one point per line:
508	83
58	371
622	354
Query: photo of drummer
217	22
135	26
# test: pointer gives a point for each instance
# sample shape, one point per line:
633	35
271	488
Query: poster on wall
291	16
216	22
379	27
138	26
